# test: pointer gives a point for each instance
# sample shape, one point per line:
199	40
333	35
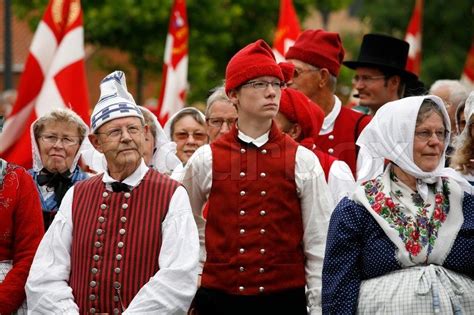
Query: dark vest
116	240
254	228
340	142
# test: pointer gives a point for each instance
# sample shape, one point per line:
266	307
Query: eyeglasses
116	133
261	85
184	135
53	139
297	72
217	122
426	135
365	79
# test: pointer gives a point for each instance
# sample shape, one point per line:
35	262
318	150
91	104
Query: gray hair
218	94
428	107
457	92
60	115
188	111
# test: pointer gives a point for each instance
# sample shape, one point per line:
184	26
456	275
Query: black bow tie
60	182
118	187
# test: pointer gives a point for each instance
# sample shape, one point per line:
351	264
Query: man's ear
233	97
94	140
295	131
394	82
324	75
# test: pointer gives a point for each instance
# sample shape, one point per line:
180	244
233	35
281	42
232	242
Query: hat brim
403	73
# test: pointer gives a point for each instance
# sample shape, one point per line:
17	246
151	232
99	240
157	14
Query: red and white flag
175	67
467	77
413	37
54	76
287	31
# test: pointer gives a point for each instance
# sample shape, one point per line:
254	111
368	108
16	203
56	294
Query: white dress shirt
315	200
169	291
330	119
341	182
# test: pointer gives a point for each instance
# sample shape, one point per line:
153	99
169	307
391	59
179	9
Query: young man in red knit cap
317	56
301	119
269	204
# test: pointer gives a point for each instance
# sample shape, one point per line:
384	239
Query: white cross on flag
54	76
287	31
467	77
175	67
413	37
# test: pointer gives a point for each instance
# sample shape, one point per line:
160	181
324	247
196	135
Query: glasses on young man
261	85
197	135
426	135
366	79
218	122
53	139
116	133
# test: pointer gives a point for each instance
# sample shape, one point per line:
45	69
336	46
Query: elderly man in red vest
124	241
269	204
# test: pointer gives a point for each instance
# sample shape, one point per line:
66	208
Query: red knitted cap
298	108
253	61
318	48
288	70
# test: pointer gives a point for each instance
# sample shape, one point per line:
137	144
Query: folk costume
126	247
21	230
342	126
268	206
394	250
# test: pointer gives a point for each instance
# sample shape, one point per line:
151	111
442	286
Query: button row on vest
101	219
103	206
125	206
331	151
127	195
105	194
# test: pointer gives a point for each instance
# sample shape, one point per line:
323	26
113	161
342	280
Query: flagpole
7	58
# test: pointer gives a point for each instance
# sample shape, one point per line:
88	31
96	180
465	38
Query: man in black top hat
380	71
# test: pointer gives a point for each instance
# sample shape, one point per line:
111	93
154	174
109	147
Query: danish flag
413	37
54	76
287	31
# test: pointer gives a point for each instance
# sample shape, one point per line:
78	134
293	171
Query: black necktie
60	182
118	187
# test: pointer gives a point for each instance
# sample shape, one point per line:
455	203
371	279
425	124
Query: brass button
331	137
262	251
96	257
125	206
123	219
117	285
122	231
242	193
242	212
93	284
262	231
241	288
242	231
263	174
242	174
101	219
97	244
116	298
263	193
92	310
126	195
264	151
99	231
242	269
94	270
105	194
331	151
118	257
117	270
116	311
263	212
242	150
261	270
120	244
103	206
261	289
242	250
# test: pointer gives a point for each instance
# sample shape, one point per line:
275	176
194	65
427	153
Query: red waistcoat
116	240
340	142
254	228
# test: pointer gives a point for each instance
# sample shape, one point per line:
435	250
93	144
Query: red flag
413	37
467	77
54	76
175	67
287	31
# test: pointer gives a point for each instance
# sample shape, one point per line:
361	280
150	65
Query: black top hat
385	52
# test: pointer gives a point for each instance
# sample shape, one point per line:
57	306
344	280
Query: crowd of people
278	199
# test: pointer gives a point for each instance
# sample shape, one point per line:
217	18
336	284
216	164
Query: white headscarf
469	108
37	163
164	158
390	135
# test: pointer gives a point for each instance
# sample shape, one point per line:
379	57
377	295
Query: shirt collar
258	142
133	180
329	120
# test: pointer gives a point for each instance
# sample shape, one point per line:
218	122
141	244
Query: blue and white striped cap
115	101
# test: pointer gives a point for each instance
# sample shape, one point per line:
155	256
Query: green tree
447	32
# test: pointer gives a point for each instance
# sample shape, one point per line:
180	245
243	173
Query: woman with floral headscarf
21	230
404	242
57	139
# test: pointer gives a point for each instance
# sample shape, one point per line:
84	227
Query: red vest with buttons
340	142
116	241
254	230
